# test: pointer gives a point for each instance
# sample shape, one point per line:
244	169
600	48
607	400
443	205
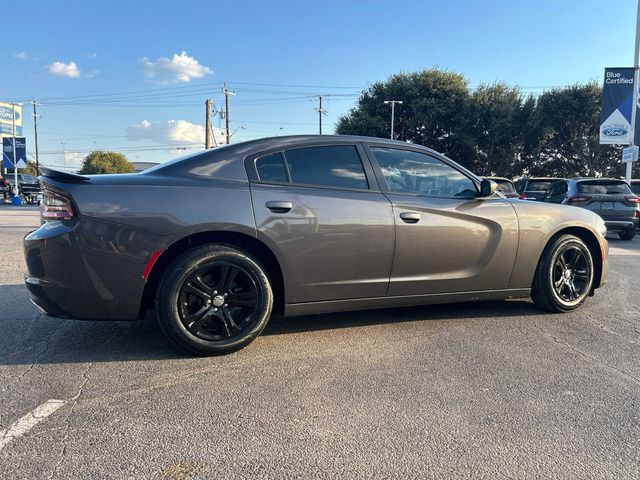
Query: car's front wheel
565	274
628	234
213	300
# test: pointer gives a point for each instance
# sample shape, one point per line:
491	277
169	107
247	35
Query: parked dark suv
612	199
534	188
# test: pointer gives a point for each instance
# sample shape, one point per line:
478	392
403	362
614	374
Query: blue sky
276	56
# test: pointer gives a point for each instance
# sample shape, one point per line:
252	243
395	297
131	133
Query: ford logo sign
6	114
614	131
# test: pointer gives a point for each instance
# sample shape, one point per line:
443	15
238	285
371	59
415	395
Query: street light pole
636	79
393	110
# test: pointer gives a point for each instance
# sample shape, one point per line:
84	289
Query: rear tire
565	274
214	300
627	234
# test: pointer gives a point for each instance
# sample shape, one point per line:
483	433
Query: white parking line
30	420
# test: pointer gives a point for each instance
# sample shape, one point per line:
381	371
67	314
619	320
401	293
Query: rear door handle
279	206
410	217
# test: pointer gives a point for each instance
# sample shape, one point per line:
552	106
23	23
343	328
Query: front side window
331	166
411	172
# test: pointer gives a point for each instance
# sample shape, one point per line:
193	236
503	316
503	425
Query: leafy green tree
564	135
433	112
497	118
30	168
100	161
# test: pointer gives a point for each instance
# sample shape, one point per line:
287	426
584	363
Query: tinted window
539	185
412	172
505	186
271	168
337	166
603	187
635	188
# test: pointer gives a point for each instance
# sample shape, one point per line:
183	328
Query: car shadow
32	338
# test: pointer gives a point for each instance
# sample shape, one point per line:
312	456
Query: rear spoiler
63	176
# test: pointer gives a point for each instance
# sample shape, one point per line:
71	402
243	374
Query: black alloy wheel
565	274
218	301
213	300
571	273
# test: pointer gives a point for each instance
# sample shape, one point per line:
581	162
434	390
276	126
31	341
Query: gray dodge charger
218	241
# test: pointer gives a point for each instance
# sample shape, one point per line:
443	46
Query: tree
432	113
100	161
497	118
30	169
565	135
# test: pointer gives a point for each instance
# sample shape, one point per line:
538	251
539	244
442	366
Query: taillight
55	206
637	213
523	196
578	198
632	198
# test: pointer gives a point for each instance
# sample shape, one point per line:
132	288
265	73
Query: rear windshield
539	185
505	186
603	187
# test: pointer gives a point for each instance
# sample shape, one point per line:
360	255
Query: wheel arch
590	239
245	242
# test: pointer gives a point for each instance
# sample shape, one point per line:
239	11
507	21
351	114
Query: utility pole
393	111
207	124
636	79
35	131
321	111
227	92
64	157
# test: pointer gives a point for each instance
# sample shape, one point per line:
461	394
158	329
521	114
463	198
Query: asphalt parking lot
485	390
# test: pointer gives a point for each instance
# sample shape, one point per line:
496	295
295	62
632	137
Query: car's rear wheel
214	300
628	234
565	274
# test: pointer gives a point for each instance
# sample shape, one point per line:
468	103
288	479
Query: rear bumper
620	225
87	269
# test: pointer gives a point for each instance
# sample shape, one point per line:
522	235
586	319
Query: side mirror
487	188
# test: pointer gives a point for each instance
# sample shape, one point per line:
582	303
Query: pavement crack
67	425
586	355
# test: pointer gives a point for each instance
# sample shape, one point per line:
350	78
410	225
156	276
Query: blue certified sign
7	151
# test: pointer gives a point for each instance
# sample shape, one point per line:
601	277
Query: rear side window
635	188
331	166
271	168
604	187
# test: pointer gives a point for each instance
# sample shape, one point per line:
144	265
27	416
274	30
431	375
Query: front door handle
279	206
410	217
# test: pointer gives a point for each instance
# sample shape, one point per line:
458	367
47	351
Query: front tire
214	300
565	274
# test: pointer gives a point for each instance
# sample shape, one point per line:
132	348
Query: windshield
604	187
27	178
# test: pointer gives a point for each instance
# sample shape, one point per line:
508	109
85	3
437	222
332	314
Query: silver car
612	199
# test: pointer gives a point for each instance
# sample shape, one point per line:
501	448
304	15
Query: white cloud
179	68
73	160
20	55
61	69
170	131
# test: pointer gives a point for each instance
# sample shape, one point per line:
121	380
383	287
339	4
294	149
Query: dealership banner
6	119
617	102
